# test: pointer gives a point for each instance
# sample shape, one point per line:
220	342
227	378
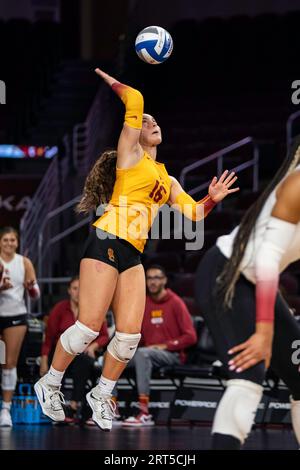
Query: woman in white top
237	290
17	275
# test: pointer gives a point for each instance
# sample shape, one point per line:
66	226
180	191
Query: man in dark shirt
167	330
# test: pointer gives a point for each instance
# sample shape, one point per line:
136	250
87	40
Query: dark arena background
230	91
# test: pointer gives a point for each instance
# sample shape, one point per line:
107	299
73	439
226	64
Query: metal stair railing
219	156
86	138
44	200
44	245
80	151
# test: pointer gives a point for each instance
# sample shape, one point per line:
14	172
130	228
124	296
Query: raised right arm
129	148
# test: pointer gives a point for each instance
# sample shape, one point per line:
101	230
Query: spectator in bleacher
62	316
18	276
251	324
167	330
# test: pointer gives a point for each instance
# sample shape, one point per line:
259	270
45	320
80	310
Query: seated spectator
62	316
167	330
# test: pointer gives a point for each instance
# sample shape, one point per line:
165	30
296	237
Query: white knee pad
9	379
77	338
123	346
295	415
237	408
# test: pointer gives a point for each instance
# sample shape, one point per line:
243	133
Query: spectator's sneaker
5	418
70	415
140	420
51	400
103	408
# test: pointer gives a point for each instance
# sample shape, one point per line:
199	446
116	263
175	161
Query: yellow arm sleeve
134	104
188	206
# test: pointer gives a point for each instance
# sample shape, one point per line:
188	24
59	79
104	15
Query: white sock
105	386
54	377
6	405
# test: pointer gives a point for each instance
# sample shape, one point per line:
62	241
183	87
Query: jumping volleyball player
17	275
237	289
111	272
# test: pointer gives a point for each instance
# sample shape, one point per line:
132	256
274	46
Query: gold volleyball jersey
138	193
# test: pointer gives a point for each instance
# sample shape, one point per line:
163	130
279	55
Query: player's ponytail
99	183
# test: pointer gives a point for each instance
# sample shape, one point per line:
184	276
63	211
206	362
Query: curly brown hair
99	183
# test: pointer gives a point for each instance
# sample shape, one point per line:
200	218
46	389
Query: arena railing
49	281
44	245
44	200
289	127
81	148
219	156
88	138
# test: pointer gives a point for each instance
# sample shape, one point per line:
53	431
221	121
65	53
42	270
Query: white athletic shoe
103	410
51	399
5	418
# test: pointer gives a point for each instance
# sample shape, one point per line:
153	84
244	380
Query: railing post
22	244
74	147
39	263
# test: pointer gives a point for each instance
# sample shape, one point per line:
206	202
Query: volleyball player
111	273
18	275
237	290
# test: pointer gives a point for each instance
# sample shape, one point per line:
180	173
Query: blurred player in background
237	290
18	276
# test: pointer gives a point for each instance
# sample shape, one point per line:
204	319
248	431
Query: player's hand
256	349
219	189
29	284
107	78
6	284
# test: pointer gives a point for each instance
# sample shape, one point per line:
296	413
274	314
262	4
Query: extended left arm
197	210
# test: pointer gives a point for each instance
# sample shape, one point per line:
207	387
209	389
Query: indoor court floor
50	437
